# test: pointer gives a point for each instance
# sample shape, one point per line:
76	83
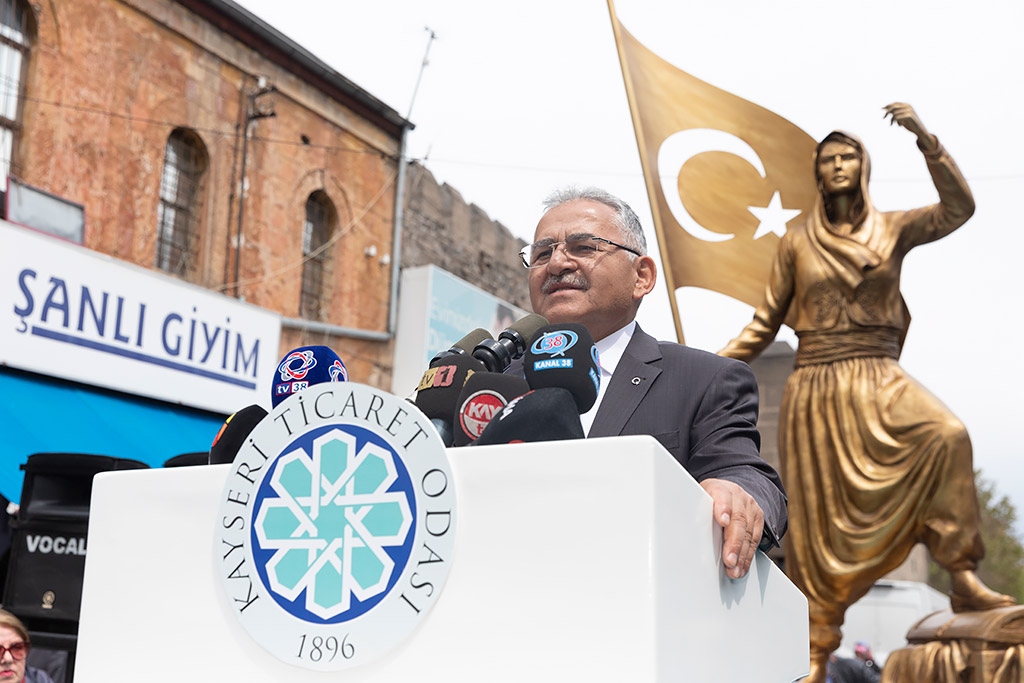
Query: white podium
594	560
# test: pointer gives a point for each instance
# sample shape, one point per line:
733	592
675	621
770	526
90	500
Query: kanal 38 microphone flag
724	175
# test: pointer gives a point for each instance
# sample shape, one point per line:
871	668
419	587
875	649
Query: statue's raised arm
902	114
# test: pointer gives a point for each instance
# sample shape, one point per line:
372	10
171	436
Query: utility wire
211	131
455	162
338	234
634	174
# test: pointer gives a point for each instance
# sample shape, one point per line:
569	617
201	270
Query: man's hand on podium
743	521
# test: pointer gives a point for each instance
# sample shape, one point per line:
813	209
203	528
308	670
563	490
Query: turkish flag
724	176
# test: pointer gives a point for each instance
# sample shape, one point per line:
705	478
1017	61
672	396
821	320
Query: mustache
572	279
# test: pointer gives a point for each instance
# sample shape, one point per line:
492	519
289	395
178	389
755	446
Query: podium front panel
591	560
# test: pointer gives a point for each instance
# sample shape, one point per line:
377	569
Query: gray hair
625	218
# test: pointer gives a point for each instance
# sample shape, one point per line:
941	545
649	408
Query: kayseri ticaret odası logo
337	526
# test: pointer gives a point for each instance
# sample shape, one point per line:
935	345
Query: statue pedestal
969	647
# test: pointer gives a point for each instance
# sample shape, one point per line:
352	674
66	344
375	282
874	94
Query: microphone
438	392
484	395
304	367
547	414
498	354
463	346
299	369
233	432
564	355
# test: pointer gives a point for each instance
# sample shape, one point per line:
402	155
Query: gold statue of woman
872	461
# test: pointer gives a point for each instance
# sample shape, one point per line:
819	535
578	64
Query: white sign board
73	313
437	309
27	205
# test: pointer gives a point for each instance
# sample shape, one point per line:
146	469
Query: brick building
136	110
226	184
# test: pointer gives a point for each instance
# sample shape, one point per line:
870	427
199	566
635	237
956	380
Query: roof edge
275	46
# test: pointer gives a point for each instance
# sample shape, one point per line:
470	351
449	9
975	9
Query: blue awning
40	414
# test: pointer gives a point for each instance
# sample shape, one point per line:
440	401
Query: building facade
202	143
187	194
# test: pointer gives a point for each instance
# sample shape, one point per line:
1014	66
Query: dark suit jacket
703	410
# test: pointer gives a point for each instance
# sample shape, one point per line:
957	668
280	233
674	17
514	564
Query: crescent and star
680	147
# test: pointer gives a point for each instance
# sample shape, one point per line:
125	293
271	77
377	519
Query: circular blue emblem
331	529
324	522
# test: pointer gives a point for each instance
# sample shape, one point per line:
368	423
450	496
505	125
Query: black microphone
483	396
463	346
564	355
438	392
444	429
234	431
540	415
299	369
498	354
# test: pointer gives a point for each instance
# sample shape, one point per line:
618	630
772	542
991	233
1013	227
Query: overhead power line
457	162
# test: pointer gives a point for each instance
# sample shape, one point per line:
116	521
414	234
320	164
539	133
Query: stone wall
440	228
772	369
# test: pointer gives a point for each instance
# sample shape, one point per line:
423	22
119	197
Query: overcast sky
520	98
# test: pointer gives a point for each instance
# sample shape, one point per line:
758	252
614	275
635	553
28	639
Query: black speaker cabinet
49	543
44	577
188	459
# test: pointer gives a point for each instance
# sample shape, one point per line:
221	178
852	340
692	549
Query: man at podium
588	264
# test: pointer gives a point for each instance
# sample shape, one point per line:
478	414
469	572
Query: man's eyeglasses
577	248
18	651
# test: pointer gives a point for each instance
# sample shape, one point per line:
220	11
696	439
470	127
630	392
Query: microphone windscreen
527	327
438	392
303	367
231	435
464	345
484	395
564	355
540	415
498	354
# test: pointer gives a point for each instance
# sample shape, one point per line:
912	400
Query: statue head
838	163
842	168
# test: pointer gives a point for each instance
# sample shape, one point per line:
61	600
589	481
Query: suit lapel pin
636	381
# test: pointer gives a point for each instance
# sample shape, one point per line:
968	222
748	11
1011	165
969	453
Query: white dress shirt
609	352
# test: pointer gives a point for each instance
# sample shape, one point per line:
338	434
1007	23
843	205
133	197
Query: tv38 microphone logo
296	365
338	372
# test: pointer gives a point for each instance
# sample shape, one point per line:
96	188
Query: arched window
176	230
15	32
320	220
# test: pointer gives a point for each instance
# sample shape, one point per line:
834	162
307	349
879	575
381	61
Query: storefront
101	356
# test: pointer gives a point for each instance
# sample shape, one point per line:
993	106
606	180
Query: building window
15	32
184	162
320	219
